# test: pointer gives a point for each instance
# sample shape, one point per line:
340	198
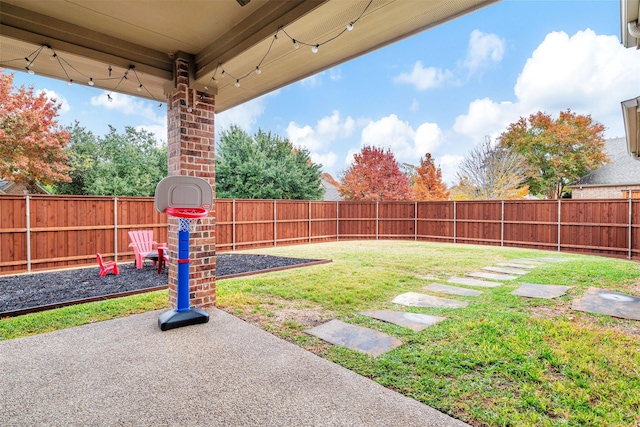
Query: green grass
76	315
503	360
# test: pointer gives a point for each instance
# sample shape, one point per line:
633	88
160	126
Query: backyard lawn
502	360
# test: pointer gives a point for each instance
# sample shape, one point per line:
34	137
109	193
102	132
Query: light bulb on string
70	82
315	48
109	98
91	81
30	71
258	71
139	89
237	84
350	26
296	45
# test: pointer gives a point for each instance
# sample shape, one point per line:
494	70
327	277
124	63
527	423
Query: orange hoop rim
186	212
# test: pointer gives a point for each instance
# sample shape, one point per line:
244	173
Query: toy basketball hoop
189	199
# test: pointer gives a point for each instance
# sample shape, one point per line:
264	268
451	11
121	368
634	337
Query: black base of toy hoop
177	319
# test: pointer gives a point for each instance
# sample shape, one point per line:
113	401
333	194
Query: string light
315	47
65	66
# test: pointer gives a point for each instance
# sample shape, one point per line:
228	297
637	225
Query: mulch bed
33	290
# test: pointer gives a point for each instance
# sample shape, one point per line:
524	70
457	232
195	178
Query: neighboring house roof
7	187
331	193
4	185
621	170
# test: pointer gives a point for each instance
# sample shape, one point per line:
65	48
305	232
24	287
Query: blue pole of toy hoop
183	264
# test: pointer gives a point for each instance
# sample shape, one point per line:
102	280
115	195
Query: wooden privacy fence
45	232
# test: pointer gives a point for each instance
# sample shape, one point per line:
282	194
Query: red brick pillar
191	152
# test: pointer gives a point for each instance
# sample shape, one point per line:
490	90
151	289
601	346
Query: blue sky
441	91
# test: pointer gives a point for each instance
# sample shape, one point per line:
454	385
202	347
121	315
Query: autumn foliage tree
491	172
374	175
560	151
427	182
31	141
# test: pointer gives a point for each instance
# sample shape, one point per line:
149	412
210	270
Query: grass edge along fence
43	232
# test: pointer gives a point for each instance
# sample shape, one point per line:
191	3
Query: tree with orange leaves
374	175
560	151
427	183
31	141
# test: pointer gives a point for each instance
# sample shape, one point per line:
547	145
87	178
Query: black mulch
33	290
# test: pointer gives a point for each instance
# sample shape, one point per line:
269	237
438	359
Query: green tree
264	167
83	154
376	176
129	164
31	141
561	151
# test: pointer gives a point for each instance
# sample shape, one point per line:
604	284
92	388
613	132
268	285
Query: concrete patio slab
517	265
611	303
452	290
127	372
414	321
492	276
414	299
468	281
506	270
533	290
354	337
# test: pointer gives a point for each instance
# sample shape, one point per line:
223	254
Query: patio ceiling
102	39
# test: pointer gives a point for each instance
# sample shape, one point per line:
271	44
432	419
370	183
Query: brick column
191	152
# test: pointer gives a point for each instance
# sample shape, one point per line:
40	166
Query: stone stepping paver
452	290
533	262
492	276
517	265
533	290
468	281
417	322
355	337
414	299
607	302
505	270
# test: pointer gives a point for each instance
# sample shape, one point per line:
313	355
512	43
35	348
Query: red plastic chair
107	267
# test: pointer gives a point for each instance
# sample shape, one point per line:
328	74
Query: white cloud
425	78
449	166
244	116
335	74
407	144
129	105
327	160
159	131
318	140
415	105
588	73
483	50
58	99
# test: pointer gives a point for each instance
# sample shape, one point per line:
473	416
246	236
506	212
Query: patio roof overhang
103	39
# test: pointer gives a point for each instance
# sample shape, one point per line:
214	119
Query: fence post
502	226
275	225
115	229
233	224
309	221
337	221
559	221
630	225
415	221
377	206
28	231
454	221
